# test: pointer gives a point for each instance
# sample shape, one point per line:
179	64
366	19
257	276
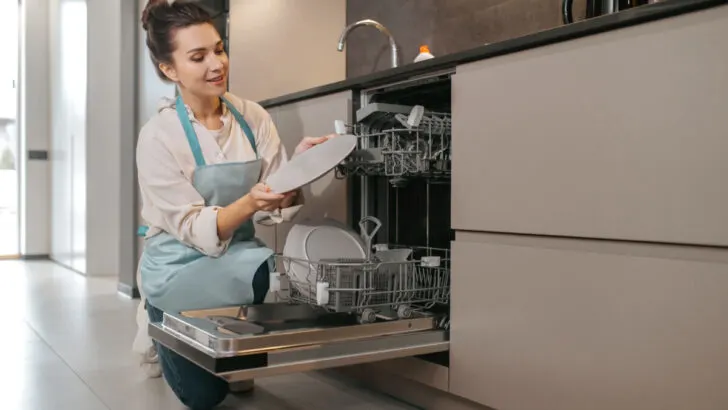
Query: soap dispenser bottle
424	54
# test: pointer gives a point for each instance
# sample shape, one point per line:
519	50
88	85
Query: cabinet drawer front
622	135
538	327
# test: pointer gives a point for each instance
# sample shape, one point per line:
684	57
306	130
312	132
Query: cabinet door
327	197
572	325
620	135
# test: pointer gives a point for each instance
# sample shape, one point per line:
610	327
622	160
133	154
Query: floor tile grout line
85	383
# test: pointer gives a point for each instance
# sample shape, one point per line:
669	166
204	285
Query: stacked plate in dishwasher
308	244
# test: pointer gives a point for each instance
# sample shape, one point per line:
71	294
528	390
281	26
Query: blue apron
177	277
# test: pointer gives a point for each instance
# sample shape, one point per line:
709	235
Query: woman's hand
290	199
260	198
310	142
264	200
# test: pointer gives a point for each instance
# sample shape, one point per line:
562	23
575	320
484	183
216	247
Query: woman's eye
197	59
219	52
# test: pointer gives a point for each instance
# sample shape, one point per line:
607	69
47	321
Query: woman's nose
216	64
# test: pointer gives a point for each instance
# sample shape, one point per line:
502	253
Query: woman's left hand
310	142
290	199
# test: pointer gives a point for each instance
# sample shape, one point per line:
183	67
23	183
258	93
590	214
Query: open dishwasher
392	303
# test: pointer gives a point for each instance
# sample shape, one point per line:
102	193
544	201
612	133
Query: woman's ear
168	71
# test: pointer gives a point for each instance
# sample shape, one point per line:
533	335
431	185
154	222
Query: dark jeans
197	388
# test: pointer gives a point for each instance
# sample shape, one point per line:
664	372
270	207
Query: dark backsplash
446	26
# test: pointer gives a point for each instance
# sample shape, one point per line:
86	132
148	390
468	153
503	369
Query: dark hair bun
149	11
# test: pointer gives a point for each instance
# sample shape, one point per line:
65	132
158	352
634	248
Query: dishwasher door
239	343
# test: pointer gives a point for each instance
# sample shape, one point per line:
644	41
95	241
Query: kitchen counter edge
639	15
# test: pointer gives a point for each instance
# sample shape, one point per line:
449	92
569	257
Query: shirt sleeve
175	200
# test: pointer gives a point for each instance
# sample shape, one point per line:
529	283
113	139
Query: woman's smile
217	81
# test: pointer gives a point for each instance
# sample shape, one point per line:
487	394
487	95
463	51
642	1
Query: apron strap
192	136
243	124
142	231
189	132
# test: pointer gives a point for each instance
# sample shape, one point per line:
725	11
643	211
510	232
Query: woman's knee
194	387
203	396
261	284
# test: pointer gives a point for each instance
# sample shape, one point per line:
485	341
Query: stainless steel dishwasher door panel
289	338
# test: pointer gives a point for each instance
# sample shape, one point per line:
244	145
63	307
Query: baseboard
128	291
76	271
403	389
414	369
39	257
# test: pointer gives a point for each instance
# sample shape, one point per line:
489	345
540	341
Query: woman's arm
232	216
174	205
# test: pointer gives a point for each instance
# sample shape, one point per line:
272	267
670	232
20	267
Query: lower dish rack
395	283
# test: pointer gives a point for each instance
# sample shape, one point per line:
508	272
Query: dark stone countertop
638	15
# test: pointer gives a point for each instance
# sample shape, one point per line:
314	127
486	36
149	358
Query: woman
200	161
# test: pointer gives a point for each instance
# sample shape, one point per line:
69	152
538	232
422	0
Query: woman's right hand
259	198
264	200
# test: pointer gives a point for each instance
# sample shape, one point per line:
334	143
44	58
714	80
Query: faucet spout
394	48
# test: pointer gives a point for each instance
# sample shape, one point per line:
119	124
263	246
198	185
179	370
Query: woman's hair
161	19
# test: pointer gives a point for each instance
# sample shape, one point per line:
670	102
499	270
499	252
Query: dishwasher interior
391	304
401	175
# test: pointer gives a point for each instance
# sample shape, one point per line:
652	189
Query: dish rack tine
415	117
366	235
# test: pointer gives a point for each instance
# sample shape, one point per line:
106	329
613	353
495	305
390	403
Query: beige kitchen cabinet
620	135
559	324
327	197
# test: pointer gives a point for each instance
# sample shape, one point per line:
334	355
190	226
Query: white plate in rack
329	240
311	164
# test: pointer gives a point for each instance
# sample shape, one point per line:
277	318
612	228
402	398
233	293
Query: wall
129	97
282	46
110	134
446	26
34	105
92	136
68	56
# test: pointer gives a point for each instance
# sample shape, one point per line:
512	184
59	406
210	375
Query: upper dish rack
399	142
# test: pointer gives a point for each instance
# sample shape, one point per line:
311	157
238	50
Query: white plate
307	241
328	242
311	164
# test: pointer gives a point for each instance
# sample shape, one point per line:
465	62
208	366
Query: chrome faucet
392	44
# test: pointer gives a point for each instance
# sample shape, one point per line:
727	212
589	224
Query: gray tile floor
66	345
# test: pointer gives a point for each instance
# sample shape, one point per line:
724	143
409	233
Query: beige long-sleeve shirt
165	166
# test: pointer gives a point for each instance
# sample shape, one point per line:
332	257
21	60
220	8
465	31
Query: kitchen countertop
638	15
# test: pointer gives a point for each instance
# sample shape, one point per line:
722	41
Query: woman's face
199	62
